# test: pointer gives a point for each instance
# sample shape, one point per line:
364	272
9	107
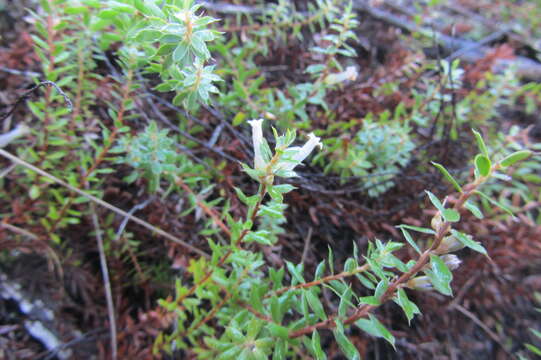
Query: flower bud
452	261
436	221
449	244
350	74
421	283
257	138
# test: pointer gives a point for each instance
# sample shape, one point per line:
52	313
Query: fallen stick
468	51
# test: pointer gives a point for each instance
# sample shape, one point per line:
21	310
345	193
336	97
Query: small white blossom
302	152
257	138
349	74
295	154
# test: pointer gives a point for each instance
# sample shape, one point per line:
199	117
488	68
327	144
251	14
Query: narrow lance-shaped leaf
375	328
494	202
410	309
315	304
515	157
480	143
320	270
468	242
473	209
344	302
440	275
316	347
418	229
450	215
447	176
349	350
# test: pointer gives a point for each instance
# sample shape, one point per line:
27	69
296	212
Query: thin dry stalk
104	204
106	282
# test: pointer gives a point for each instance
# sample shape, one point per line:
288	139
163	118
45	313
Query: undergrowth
233	297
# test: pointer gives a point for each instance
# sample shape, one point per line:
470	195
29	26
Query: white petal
301	154
307	148
257	138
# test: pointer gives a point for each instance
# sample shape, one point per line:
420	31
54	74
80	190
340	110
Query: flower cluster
285	158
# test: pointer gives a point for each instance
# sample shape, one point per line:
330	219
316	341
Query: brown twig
321	281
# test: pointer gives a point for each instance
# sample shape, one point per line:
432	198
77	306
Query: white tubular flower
257	138
302	153
349	74
310	145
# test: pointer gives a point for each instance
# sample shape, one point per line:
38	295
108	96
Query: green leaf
180	52
375	328
284	188
239	118
410	240
435	201
148	35
440	275
254	327
276	191
418	229
234	334
316	347
451	215
496	203
55	238
320	270
34	192
482	164
314	68
315	304
280	349
367	283
345	301
515	157
381	288
275	309
533	349
480	143
295	271
535	332
275	210
447	176
255	300
278	330
330	260
148	8
410	309
369	300
376	268
350	265
473	209
348	349
468	242
260	236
